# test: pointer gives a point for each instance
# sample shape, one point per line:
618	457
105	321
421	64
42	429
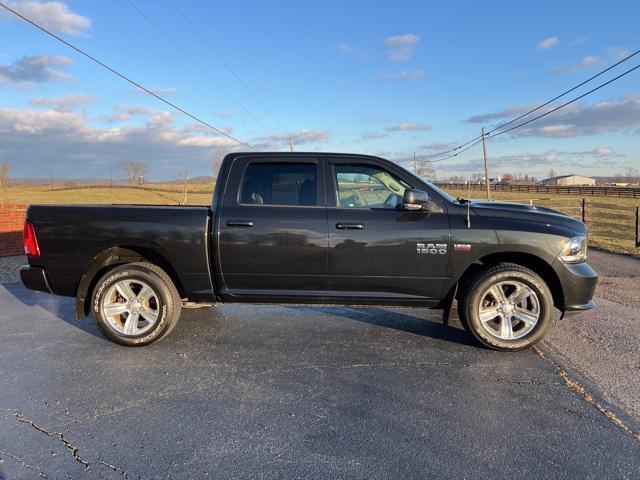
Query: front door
379	252
273	235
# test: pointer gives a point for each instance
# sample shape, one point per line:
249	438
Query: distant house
566	180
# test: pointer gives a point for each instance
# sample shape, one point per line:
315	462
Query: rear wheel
136	304
506	307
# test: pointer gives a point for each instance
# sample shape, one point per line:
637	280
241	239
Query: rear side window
292	184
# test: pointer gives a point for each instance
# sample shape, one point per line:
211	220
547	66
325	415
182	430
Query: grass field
610	221
162	194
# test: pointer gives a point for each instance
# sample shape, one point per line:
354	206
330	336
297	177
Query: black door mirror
415	199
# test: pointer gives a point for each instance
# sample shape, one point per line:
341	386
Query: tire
525	302
141	292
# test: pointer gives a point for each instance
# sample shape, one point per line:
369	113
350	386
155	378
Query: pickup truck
314	228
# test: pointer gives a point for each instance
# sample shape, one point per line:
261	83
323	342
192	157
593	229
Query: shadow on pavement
397	320
62	307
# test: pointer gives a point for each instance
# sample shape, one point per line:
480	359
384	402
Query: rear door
378	252
273	236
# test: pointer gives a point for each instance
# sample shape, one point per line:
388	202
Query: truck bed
71	236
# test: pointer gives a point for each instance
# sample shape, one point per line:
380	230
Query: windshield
444	194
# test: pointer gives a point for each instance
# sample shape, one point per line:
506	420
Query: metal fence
624	192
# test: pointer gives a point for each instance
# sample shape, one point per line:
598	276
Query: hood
512	207
521	212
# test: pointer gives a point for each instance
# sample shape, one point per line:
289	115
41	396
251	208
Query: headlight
575	250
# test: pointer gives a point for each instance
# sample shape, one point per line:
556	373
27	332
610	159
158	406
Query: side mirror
415	199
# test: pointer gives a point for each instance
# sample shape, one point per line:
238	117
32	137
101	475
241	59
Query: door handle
240	223
350	226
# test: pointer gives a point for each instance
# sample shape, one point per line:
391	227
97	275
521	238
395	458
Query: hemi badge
461	247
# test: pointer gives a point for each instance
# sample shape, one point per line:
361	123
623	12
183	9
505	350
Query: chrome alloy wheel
131	307
509	310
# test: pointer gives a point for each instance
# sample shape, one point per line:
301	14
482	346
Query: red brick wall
11	223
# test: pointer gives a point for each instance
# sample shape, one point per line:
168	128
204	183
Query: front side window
291	184
366	186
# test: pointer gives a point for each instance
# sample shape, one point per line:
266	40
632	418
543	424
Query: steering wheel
391	201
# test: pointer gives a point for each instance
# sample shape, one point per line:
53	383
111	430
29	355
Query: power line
538	107
487	136
226	64
566	103
499	127
199	66
124	77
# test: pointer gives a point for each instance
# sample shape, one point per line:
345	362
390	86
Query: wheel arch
112	257
528	260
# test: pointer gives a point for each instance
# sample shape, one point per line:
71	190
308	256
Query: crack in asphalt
68	445
114	468
587	397
19	460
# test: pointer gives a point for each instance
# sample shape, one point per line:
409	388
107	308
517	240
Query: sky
381	78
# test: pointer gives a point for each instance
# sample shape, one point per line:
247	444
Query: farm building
565	180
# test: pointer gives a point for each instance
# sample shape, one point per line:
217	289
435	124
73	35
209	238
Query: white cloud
124	113
502	114
400	48
402	75
301	137
35	69
622	115
224	113
36	139
548	43
603	152
156	90
617	53
64	103
350	50
408	127
53	15
436	147
579	41
587	62
374	135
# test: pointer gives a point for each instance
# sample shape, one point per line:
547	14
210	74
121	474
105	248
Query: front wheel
135	304
506	307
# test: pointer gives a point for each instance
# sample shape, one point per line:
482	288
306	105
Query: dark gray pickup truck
314	228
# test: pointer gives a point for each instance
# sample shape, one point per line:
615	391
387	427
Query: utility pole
51	178
415	164
291	142
486	168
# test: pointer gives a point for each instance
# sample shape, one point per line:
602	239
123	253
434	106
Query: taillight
30	240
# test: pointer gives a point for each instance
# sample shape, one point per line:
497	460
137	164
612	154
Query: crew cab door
378	252
272	230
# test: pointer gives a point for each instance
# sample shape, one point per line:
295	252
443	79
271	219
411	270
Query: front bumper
35	278
574	309
578	284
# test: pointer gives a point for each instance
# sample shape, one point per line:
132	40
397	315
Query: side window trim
317	162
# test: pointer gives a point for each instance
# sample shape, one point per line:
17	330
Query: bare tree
552	177
424	168
631	173
184	174
134	170
4	174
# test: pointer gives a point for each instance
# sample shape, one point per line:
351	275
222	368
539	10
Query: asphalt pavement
318	392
